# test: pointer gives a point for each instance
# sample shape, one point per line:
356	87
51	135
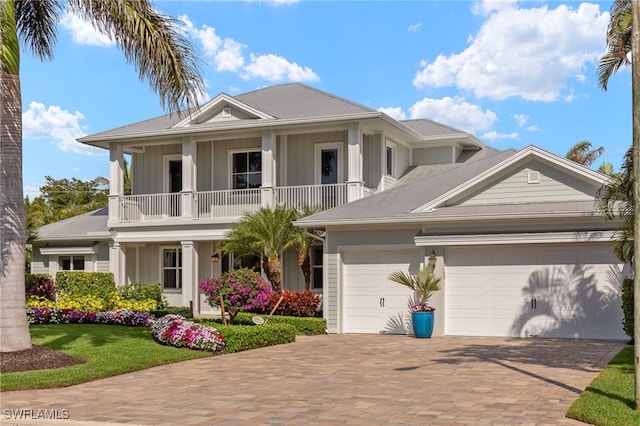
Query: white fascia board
529	151
48	251
174	235
516	238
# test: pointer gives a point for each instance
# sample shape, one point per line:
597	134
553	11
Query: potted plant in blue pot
424	283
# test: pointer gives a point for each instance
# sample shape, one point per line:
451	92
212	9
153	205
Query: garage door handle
534	303
382	302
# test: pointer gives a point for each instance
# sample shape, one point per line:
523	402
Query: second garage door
372	303
559	290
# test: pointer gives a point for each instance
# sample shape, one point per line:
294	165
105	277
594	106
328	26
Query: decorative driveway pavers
346	379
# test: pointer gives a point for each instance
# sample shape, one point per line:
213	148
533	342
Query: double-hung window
246	171
71	263
172	268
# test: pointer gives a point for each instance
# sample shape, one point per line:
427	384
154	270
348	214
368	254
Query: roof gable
223	108
560	171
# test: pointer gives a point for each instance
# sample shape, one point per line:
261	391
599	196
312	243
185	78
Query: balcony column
190	292
189	177
117	263
355	182
116	181
267	192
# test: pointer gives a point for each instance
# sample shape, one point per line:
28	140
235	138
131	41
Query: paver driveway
346	379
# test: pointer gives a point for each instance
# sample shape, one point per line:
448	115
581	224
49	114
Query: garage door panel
555	293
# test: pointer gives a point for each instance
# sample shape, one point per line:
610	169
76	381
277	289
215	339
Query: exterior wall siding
301	155
372	160
514	188
148	168
435	155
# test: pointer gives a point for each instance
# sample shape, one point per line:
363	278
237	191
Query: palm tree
618	42
582	153
266	233
615	199
150	41
424	283
305	242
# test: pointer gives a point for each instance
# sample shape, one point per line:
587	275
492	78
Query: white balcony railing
150	207
227	204
320	197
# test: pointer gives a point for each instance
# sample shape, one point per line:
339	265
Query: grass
609	399
108	349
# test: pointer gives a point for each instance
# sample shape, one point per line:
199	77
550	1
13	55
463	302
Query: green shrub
41	285
99	284
140	292
302	325
244	337
627	306
183	311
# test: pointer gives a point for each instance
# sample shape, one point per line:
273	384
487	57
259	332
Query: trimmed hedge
302	325
99	284
244	337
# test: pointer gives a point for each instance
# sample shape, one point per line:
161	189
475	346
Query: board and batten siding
148	168
300	155
221	148
403	159
515	187
372	160
435	155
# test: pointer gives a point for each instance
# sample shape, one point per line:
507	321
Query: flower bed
176	331
69	316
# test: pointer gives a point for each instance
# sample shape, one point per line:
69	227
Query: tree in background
150	41
582	153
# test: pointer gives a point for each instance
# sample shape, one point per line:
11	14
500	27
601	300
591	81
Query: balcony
219	206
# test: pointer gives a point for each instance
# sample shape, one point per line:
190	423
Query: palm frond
37	25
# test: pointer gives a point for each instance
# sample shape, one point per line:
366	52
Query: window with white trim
390	158
328	163
246	169
71	263
171	268
316	268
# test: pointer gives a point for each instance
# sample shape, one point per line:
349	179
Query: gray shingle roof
428	127
92	225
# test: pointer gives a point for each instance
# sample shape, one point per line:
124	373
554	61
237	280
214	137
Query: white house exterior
519	246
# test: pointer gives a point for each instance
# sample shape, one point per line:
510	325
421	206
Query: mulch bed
36	358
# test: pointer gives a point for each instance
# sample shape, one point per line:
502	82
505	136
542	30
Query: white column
189	178
268	169
190	275
355	183
117	263
116	182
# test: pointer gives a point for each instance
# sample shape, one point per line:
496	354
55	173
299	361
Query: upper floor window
71	263
390	159
246	169
328	163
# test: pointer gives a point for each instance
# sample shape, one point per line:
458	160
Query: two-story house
514	234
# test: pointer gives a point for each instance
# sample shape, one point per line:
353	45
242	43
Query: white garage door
372	303
555	290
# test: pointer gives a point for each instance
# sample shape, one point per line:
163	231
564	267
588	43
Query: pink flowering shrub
69	316
174	330
241	289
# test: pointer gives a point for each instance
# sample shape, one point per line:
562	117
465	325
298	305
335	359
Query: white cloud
82	32
495	136
455	112
277	68
57	125
414	28
521	119
530	53
227	55
532	128
394	112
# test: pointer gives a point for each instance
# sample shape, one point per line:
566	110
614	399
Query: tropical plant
582	153
423	283
615	199
150	41
306	240
618	42
266	233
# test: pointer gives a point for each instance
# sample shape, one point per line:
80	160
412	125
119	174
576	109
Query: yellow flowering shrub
40	302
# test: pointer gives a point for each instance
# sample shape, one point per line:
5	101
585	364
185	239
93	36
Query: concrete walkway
343	379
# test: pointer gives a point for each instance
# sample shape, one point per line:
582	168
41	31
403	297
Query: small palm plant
424	283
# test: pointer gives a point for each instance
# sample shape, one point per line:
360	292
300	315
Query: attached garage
568	290
372	303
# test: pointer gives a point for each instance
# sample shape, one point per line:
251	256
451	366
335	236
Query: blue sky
512	73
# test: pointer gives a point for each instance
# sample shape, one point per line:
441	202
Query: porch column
190	293
189	178
355	182
268	169
117	263
116	182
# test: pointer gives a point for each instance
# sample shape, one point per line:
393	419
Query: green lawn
609	399
108	349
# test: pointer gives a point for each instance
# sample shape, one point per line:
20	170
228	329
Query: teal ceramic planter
422	324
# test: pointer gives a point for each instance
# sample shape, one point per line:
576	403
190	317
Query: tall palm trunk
304	262
273	270
14	330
